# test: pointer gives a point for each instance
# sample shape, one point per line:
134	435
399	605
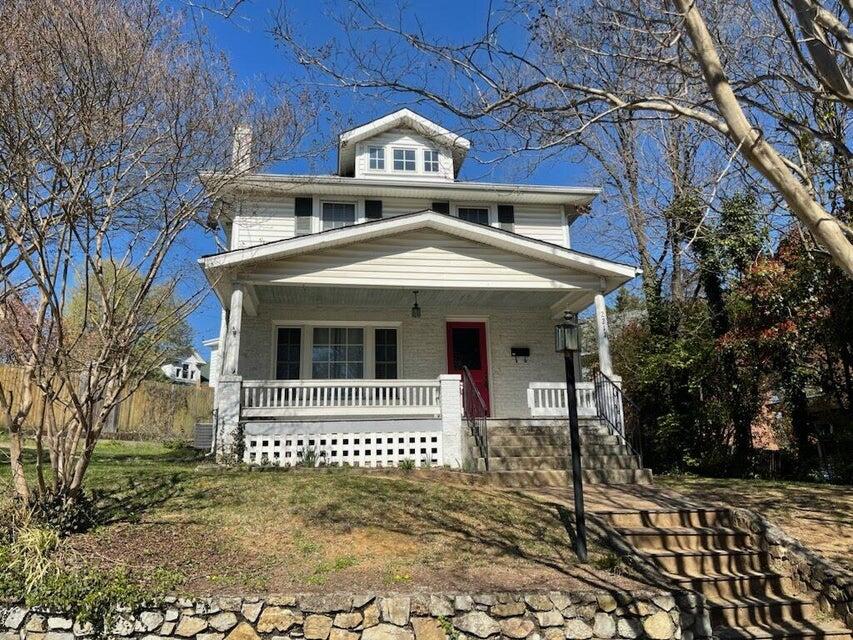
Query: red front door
466	347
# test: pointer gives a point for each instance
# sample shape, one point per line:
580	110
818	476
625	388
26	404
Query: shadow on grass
480	518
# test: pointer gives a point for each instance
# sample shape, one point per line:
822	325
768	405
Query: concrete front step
751	612
553	431
555	478
531	463
545	439
695	563
687	538
739	586
553	422
526	451
669	518
792	630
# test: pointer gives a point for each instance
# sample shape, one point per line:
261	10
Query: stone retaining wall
533	616
830	584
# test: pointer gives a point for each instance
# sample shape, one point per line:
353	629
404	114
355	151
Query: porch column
230	387
602	335
452	442
235	323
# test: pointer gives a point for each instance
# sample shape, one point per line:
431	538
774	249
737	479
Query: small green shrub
309	458
609	562
63	514
407	465
31	568
32	555
469	465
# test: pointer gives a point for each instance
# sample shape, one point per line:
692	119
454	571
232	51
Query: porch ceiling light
416	309
566	334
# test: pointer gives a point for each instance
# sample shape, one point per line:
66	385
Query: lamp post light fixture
567	342
416	309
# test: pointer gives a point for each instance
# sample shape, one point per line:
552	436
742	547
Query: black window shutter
304	210
506	214
304	207
441	207
373	209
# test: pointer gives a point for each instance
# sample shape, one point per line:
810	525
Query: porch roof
486	258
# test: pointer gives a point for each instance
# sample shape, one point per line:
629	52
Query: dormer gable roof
403	118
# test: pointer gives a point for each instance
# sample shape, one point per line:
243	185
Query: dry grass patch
323	530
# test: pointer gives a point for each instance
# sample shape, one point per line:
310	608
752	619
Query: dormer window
377	158
430	161
404	160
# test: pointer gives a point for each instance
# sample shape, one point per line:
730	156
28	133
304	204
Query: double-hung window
287	353
430	161
337	353
385	350
404	160
376	157
338	214
480	215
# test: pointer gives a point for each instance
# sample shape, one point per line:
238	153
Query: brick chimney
241	153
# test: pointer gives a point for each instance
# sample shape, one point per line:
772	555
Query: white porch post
452	442
602	335
229	388
235	324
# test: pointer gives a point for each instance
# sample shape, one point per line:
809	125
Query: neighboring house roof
194	357
604	274
405	118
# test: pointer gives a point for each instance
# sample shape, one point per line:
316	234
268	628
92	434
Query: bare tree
733	68
115	138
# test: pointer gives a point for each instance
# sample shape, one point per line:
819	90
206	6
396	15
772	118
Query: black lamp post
567	339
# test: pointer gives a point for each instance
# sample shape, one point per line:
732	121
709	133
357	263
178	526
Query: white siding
541	222
399	206
424	350
262	221
410	140
420	258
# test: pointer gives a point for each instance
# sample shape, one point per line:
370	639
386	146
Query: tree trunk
16	447
758	152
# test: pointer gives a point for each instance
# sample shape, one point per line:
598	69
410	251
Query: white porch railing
303	398
548	399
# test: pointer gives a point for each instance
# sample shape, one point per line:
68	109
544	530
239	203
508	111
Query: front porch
395	340
420	416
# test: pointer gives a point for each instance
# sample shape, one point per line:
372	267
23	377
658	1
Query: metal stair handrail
612	405
474	410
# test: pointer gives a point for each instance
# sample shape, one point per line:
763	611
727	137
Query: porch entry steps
700	550
534	452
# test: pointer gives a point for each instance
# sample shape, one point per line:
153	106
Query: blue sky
256	59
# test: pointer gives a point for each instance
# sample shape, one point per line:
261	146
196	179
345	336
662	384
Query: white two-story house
375	314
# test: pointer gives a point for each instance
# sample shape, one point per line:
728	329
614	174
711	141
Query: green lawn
228	531
819	515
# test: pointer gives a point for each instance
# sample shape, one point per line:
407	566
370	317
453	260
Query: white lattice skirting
361	449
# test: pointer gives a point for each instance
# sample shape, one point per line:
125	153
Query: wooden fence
155	411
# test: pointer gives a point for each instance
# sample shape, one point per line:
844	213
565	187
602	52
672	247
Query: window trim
306	346
437	161
414	150
357	214
477	205
371	148
274	363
